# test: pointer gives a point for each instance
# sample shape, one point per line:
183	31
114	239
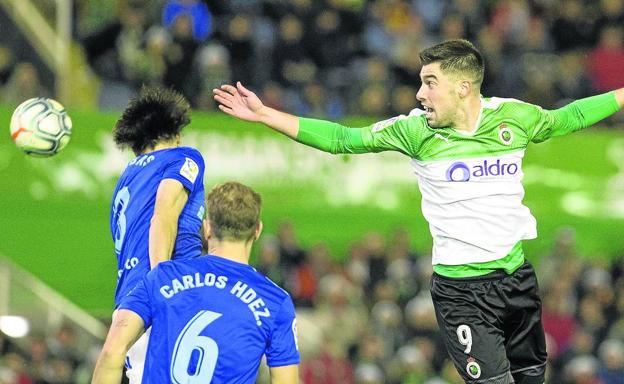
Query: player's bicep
171	197
288	374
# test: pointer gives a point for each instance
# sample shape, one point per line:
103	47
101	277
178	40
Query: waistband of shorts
495	275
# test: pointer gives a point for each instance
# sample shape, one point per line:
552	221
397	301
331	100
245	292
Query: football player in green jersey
467	153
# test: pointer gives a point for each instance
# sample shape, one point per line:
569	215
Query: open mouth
428	111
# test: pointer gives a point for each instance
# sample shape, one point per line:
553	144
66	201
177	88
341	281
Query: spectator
292	66
116	53
558	319
607	59
23	84
581	370
290	251
63	346
572	29
6	64
198	13
582	344
239	42
611	369
210	70
329	366
180	56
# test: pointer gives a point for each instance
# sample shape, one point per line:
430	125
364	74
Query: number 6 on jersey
194	356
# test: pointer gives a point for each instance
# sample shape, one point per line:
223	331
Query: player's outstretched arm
327	136
577	115
288	374
619	96
242	103
170	200
126	328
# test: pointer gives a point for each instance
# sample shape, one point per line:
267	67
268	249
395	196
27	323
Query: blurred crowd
369	319
46	359
330	58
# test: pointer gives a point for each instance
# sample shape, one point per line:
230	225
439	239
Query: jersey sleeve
400	133
577	115
187	168
138	300
283	349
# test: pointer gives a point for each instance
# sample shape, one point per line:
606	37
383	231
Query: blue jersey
212	320
133	206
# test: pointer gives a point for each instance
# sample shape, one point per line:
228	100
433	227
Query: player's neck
235	251
468	114
162	145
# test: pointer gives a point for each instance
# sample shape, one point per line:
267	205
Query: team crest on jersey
190	170
473	368
505	134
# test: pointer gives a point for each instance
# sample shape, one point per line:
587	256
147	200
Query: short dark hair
233	211
154	115
456	55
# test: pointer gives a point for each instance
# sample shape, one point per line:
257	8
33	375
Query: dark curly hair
154	115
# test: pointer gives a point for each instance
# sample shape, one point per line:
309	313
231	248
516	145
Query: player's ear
464	88
207	230
258	230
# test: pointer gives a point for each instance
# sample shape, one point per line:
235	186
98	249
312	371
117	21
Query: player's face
438	95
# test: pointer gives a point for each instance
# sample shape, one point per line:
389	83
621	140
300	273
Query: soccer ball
41	127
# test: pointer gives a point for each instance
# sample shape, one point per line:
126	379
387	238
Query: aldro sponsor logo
460	171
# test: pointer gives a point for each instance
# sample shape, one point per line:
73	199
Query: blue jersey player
158	204
212	317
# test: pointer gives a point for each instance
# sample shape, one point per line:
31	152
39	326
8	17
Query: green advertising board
55	211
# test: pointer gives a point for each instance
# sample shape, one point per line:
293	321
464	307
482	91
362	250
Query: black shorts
492	326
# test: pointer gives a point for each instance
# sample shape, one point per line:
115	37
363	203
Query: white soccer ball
41	127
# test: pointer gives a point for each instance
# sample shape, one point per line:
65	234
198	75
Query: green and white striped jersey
470	182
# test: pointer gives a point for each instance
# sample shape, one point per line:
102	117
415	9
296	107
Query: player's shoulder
498	103
414	119
263	283
189	152
271	285
190	158
417	118
509	108
416	112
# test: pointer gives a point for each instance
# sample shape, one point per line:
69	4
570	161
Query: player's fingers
218	92
227	110
222	100
229	89
243	91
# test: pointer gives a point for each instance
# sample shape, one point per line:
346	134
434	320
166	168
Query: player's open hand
238	101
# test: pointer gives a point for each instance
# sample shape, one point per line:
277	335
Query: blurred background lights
14	326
